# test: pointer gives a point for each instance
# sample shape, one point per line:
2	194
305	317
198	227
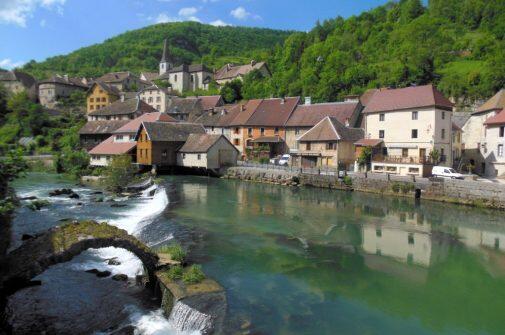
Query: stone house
231	72
412	122
328	144
158	142
121	110
16	81
122	141
207	151
183	77
493	151
217	120
308	115
124	81
56	87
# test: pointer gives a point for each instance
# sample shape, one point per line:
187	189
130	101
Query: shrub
119	173
347	180
175	251
193	275
264	160
175	272
396	187
406	188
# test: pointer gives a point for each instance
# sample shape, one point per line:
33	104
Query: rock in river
120	277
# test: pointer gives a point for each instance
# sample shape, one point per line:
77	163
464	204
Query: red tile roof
366	97
330	129
407	98
497	119
273	112
310	115
211	101
109	147
245	111
497	102
133	125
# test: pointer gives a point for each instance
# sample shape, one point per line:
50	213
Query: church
183	77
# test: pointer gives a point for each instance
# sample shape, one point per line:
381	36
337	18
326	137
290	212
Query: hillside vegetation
456	44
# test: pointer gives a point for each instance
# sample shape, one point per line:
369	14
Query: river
292	260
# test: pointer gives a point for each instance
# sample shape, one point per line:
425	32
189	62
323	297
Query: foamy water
153	323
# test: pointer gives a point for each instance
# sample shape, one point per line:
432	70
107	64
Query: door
309	162
422	155
405	152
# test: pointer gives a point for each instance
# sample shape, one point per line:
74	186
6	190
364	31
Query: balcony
426	160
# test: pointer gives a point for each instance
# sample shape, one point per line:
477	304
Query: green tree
232	91
119	173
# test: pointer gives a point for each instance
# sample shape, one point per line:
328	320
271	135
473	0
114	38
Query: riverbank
462	192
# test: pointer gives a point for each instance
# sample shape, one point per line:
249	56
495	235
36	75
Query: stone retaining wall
466	192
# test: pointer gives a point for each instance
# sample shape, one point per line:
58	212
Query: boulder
25	237
28	198
113	261
103	274
63	191
97	192
74	196
120	277
118	205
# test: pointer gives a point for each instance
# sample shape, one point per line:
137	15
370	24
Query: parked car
275	160
284	160
446	172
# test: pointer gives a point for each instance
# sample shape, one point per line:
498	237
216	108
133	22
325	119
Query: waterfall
185	318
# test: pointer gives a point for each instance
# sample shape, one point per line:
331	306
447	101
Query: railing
330	171
407	160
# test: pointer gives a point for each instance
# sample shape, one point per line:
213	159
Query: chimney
283	100
347	122
242	108
308	100
65	77
122	97
253	62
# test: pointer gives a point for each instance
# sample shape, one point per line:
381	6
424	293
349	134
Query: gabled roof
497	102
169	131
210	101
101	127
14	75
230	71
330	129
64	80
460	118
219	116
133	126
245	111
498	119
273	112
149	76
109	147
190	106
197	143
155	87
309	115
116	77
185	68
107	88
386	100
124	107
366	97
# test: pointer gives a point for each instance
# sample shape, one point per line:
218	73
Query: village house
158	142
123	81
183	77
95	132
101	95
457	144
207	151
57	87
217	120
414	125
231	72
122	141
149	76
474	133
121	110
16	81
239	134
494	158
308	115
156	97
328	144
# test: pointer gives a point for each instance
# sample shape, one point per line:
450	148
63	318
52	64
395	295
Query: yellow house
101	95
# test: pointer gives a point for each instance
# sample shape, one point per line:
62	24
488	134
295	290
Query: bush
348	180
193	275
175	251
396	187
264	160
406	188
119	173
175	272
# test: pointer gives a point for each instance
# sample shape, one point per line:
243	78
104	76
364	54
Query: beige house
183	77
328	144
123	81
16	81
414	123
121	110
56	87
155	97
493	147
207	151
231	72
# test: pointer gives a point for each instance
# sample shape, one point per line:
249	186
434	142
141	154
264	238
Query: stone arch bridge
61	244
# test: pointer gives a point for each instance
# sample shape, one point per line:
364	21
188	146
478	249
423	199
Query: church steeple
165	63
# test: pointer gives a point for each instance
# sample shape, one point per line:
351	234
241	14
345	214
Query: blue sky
37	29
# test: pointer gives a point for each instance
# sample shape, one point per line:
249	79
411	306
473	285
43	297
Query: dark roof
210	101
24	78
133	125
230	71
497	102
330	129
190	106
368	142
64	80
185	68
109	147
102	127
407	98
116	77
129	95
124	107
497	119
106	87
310	115
200	143
273	112
164	56
171	132
268	139
460	118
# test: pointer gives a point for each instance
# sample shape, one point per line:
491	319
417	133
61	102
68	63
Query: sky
37	29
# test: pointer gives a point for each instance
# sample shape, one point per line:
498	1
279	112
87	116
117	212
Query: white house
494	158
207	151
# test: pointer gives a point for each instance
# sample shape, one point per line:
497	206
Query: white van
446	172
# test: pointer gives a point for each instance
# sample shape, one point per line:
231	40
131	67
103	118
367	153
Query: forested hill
140	50
456	44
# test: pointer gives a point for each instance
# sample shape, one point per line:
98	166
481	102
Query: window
132	137
276	130
91	107
297	131
381	133
119	137
378	232
330	146
158	107
104	99
502	131
443	115
158	99
414	133
175	77
237	130
192	78
411	238
164	154
384	151
307	146
249	132
500	150
199	157
443	134
262	131
90	99
415	115
405	152
382	117
183	156
236	141
150	100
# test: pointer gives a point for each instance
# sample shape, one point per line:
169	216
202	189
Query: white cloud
240	13
7	63
219	23
17	12
188	11
164	18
